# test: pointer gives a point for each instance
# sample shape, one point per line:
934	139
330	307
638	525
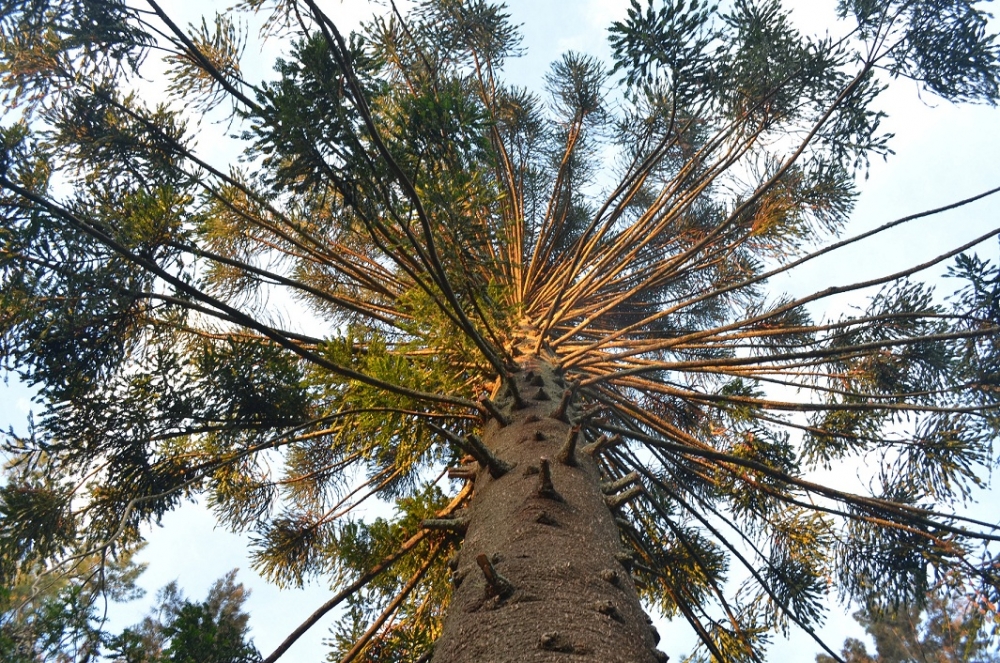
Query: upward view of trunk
542	575
297	317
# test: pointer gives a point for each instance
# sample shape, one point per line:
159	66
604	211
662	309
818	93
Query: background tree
61	614
539	327
950	629
180	631
53	617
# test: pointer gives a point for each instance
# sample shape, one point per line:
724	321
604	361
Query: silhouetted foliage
181	631
338	315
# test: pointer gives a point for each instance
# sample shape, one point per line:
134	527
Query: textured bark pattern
569	598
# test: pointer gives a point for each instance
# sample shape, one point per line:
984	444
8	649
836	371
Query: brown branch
475	447
361	581
546	489
237	316
567	454
571	358
496	584
393	606
338	48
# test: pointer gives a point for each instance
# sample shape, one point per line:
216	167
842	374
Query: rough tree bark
541	575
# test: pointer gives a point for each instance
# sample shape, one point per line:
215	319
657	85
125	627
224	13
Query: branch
339	49
490	408
361	581
454	525
496	584
393	606
571	358
237	316
475	447
205	63
916	514
567	454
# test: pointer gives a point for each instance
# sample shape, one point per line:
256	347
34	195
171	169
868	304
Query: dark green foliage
668	45
284	336
942	43
182	631
35	523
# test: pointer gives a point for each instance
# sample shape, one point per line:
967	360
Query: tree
949	630
60	617
539	327
179	631
59	614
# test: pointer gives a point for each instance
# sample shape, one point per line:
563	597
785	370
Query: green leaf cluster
404	232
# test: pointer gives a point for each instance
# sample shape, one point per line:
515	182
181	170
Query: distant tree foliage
60	617
948	629
181	631
541	325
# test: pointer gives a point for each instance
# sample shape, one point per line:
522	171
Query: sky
943	153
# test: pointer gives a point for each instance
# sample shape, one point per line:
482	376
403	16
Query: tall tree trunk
540	574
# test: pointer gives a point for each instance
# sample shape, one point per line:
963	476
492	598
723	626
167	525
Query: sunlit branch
675	595
616	257
237	316
393	606
626	190
706	178
695	365
365	578
781	170
338	48
544	241
571	358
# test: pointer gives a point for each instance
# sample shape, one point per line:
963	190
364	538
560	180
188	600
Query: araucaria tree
537	325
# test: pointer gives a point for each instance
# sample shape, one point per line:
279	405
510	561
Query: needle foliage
285	334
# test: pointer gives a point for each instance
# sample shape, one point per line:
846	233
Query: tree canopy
61	615
179	630
949	630
340	314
